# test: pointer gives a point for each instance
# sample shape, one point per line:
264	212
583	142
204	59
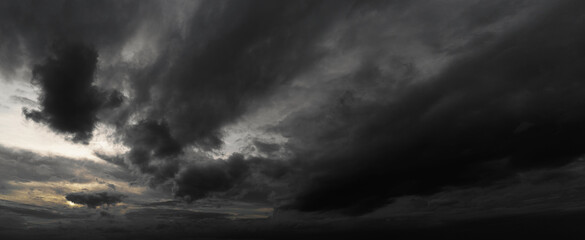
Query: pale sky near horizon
19	133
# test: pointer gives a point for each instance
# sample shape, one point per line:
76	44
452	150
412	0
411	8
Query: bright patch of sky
18	132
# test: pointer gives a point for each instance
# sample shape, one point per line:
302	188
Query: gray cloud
24	166
24	100
29	27
267	148
174	214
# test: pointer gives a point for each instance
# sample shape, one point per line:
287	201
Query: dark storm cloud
237	177
69	100
511	102
514	105
44	37
154	150
208	79
93	200
362	152
197	181
28	27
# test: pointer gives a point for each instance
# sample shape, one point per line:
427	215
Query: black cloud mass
512	106
92	200
316	108
196	181
69	100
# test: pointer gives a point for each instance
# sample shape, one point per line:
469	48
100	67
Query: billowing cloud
69	100
252	48
184	98
511	106
201	179
154	151
327	106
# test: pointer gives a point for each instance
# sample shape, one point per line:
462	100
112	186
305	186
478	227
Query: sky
258	119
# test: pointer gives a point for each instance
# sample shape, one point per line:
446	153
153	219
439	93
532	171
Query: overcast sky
268	119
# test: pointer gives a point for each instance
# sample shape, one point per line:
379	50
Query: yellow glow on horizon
53	193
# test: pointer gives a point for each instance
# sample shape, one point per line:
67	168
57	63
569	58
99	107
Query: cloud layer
511	106
334	106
